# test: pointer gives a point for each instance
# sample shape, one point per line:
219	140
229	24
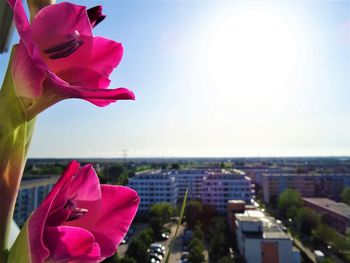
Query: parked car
157	245
157	251
155	256
164	236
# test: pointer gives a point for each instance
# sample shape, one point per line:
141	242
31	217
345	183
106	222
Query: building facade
220	187
31	193
261	240
308	185
154	187
336	214
210	186
192	180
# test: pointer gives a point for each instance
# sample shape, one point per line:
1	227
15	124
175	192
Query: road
176	252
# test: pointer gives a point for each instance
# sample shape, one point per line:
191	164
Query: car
125	239
185	255
157	245
158	251
153	260
164	236
155	256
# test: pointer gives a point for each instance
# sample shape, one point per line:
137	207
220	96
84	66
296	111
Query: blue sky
214	78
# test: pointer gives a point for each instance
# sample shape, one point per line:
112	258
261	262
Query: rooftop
328	204
271	229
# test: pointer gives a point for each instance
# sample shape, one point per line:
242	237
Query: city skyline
214	79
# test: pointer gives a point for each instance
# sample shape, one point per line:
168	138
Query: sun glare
251	57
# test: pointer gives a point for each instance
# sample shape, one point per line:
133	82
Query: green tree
307	220
346	195
288	203
218	244
196	251
193	211
207	215
138	250
127	259
226	259
198	232
159	215
146	236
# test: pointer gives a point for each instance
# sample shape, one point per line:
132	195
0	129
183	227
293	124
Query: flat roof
328	204
271	230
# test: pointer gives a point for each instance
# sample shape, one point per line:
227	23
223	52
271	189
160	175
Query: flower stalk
15	136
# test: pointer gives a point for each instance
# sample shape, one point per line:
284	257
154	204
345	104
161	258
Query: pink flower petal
39	251
56	24
28	77
98	54
70	243
84	77
85	190
100	97
119	206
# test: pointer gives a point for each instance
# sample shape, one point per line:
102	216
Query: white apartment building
210	186
221	186
154	187
192	180
32	192
261	240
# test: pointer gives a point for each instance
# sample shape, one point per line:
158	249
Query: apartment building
308	185
210	186
336	214
220	187
261	240
31	193
154	187
192	180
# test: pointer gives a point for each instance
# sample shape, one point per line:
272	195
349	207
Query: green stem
15	135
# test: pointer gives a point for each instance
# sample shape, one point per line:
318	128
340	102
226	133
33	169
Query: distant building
210	186
261	240
31	193
220	187
154	187
308	185
192	180
336	214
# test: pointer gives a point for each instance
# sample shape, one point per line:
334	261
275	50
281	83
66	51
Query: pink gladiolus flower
59	58
80	220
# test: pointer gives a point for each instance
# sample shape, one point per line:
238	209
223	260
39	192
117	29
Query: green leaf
19	251
15	136
178	226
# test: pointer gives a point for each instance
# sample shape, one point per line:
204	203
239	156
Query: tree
193	211
288	203
346	195
198	233
226	259
196	251
307	220
159	215
208	213
138	250
127	259
146	236
218	246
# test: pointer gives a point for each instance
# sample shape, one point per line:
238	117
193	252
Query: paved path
304	249
176	252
